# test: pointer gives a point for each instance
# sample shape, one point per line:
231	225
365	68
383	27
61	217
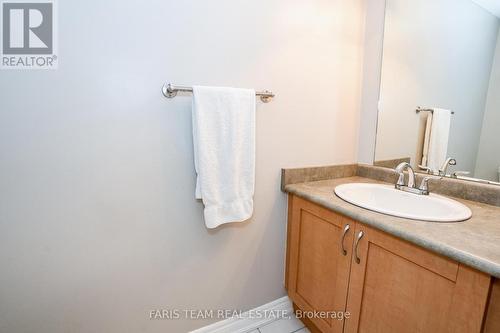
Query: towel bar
170	91
419	109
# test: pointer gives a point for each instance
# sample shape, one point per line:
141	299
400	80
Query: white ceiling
493	6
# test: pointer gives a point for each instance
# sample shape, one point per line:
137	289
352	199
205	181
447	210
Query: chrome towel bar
170	91
419	109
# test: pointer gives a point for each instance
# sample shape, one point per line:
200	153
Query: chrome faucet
411	186
444	168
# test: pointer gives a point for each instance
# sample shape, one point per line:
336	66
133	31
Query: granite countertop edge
479	263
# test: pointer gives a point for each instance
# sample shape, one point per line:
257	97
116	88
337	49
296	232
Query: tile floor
292	325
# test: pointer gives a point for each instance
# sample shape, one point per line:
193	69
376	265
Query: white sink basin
387	200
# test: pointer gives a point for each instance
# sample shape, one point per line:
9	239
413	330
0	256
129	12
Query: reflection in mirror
444	56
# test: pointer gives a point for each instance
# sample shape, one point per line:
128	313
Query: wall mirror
444	57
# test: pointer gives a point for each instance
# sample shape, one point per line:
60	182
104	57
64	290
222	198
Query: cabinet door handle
356	256
342	248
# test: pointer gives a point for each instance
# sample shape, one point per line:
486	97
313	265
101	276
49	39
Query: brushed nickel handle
342	248
356	256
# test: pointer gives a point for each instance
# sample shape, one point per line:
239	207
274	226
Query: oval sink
388	200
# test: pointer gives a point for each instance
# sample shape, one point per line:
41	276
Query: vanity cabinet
319	261
387	285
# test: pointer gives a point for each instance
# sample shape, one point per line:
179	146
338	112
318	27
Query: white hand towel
438	143
224	152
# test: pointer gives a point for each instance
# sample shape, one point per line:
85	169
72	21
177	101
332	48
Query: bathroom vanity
437	126
389	274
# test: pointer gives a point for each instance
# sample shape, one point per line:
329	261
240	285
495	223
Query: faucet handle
424	185
401	180
426	169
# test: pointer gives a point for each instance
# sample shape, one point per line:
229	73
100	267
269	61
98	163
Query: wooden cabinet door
492	321
397	287
318	266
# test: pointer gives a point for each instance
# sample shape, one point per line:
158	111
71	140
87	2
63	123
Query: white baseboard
245	325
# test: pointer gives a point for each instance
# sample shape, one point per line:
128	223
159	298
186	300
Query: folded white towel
224	152
438	142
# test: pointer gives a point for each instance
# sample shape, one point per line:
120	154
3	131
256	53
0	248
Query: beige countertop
475	242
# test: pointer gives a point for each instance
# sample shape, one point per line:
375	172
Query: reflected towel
439	136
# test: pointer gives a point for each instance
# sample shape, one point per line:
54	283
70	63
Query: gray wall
488	157
98	221
437	53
